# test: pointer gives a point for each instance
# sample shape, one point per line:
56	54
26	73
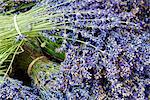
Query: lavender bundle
40	71
69	20
106	45
17	29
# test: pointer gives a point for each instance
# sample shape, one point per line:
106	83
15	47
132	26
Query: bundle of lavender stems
80	49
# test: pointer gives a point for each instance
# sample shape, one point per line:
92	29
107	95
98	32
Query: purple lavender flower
117	65
13	89
20	37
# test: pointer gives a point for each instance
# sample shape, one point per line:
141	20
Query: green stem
10	65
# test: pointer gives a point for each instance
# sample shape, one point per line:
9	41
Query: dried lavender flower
14	89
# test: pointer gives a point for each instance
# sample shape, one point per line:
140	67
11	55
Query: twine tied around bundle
16	25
